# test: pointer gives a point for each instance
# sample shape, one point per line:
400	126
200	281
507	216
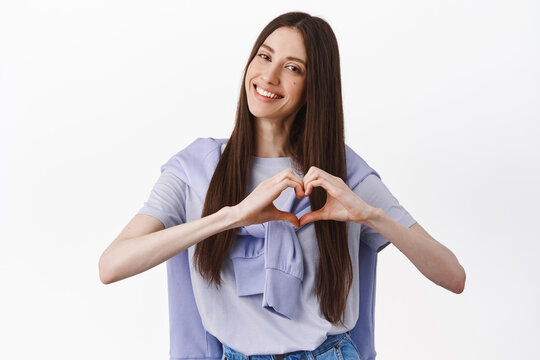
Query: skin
273	121
145	243
271	70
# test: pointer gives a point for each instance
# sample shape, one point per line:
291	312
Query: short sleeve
167	200
373	191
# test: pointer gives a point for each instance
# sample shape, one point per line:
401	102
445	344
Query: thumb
310	217
287	216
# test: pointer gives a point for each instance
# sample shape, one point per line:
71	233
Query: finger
286	216
309	175
311	217
329	182
277	187
290	174
314	173
299	188
285	183
300	191
311	184
295	175
311	170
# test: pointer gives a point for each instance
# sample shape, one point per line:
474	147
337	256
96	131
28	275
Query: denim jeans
335	347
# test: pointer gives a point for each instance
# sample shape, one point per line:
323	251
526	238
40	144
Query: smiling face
276	77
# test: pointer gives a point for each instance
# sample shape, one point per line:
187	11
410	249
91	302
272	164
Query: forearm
132	256
431	258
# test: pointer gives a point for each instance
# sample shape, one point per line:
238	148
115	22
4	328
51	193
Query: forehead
287	41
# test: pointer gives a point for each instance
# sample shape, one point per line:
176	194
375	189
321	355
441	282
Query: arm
145	243
434	260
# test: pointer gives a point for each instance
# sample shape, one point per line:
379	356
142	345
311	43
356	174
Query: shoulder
202	146
370	185
357	168
199	149
194	158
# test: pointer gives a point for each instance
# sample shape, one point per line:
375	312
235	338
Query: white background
440	97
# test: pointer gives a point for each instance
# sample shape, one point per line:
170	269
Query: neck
272	137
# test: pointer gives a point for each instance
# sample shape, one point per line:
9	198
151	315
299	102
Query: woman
302	287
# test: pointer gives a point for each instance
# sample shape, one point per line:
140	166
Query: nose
271	75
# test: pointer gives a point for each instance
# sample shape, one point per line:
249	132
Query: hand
342	204
258	206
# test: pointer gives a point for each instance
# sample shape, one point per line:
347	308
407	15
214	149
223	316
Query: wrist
232	215
374	215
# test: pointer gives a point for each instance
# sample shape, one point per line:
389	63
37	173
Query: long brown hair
316	139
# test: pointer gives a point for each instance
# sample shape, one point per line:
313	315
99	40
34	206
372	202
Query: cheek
253	67
249	77
297	87
249	71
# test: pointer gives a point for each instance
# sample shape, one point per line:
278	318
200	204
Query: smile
266	94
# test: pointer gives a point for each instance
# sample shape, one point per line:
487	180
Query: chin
261	114
256	111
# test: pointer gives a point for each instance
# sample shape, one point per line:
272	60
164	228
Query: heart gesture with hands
342	204
258	207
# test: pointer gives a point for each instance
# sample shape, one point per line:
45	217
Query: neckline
271	160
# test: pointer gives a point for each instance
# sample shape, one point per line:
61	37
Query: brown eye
295	68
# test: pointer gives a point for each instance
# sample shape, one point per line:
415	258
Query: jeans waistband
330	341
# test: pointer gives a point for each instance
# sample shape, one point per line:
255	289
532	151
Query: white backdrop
440	97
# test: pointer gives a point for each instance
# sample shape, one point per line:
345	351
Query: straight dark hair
316	139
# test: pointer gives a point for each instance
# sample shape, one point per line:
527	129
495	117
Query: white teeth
266	93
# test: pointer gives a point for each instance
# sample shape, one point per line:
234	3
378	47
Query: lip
264	98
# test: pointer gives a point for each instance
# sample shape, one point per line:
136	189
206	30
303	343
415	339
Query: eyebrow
288	57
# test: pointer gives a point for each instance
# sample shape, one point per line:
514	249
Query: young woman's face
279	68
